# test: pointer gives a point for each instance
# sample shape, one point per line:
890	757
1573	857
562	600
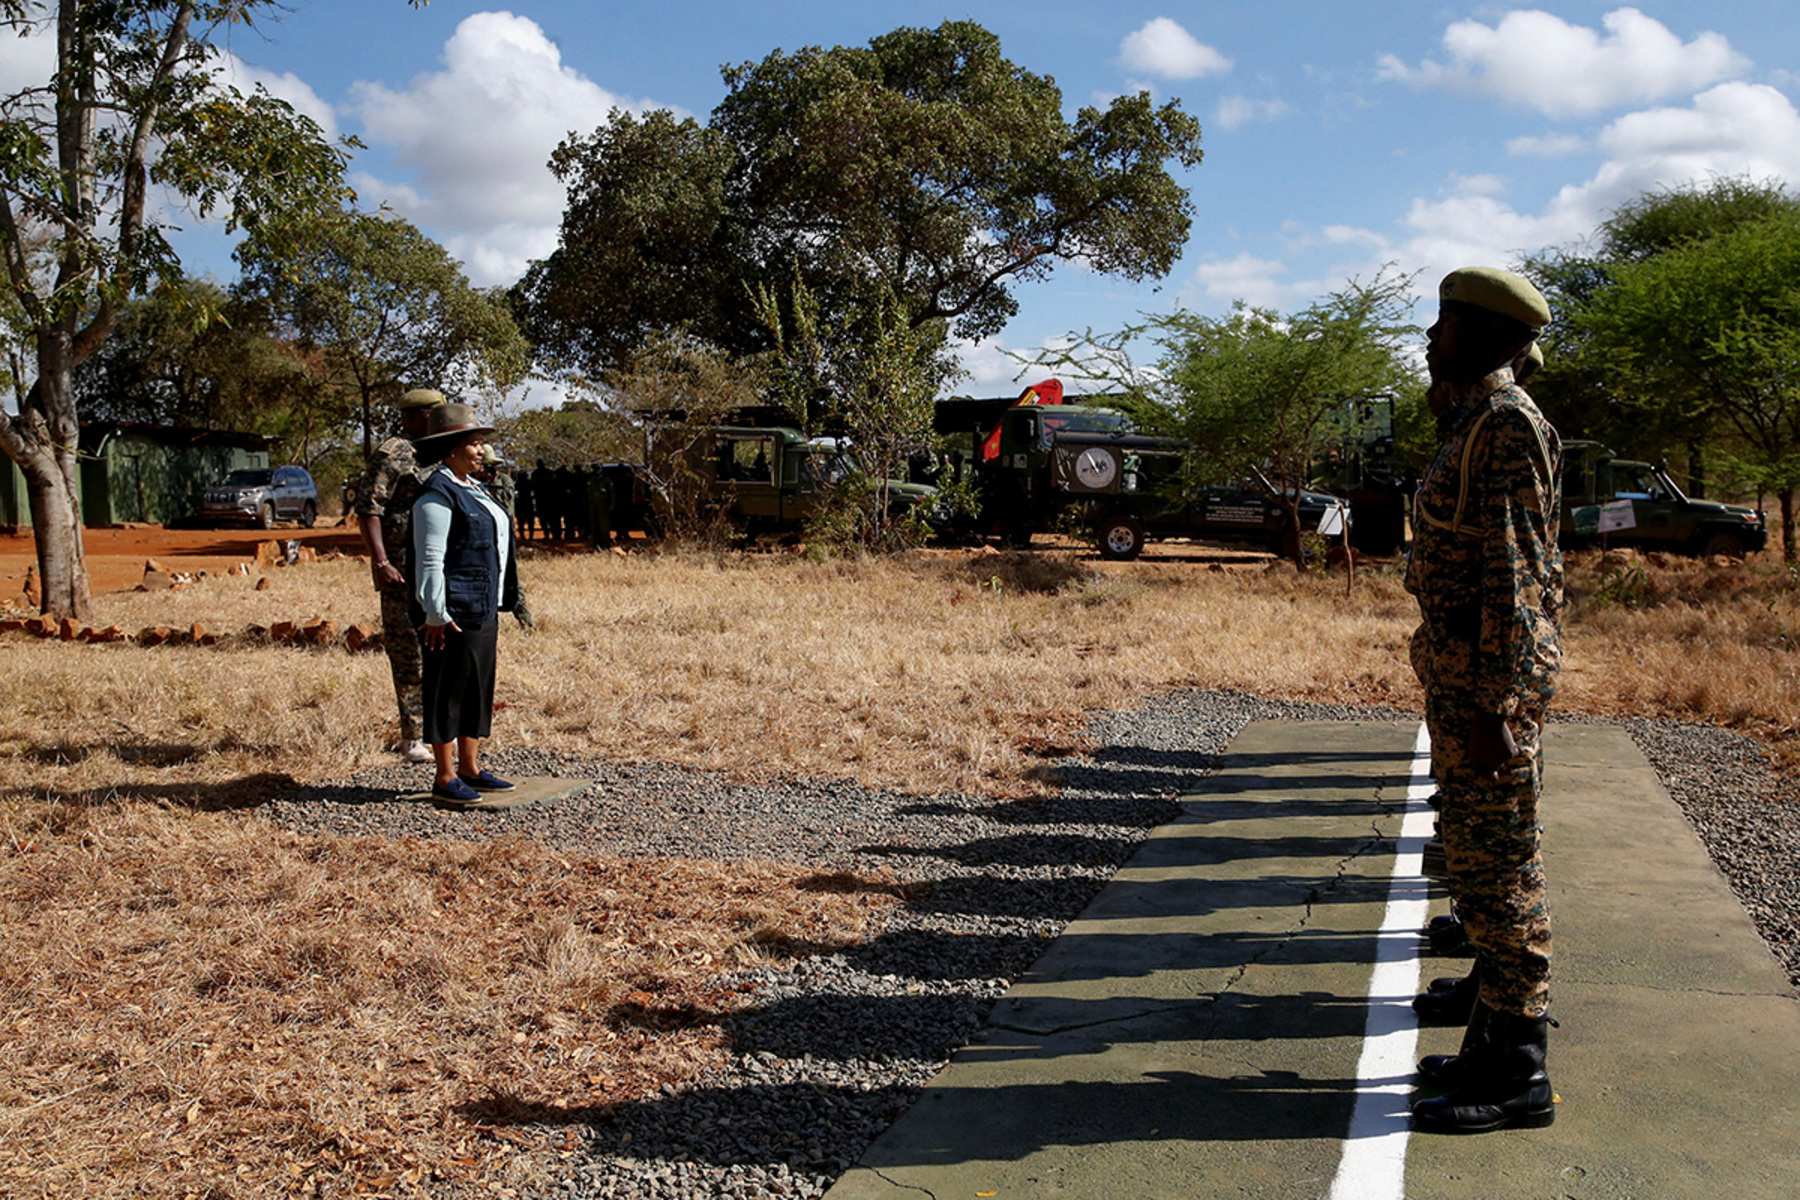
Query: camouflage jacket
499	485
1484	563
389	485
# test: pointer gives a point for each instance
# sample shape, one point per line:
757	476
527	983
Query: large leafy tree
1715	321
1580	387
375	307
133	103
923	169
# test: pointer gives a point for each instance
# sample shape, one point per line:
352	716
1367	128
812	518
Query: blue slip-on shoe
455	792
485	781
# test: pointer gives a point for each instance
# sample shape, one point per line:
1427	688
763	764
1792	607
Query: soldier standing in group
1488	578
384	500
599	506
571	486
546	499
520	482
498	479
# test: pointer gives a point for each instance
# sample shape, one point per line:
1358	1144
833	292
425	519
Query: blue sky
1338	136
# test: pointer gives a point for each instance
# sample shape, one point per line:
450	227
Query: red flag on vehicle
1048	392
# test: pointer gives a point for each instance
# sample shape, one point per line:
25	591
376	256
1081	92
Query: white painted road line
1374	1162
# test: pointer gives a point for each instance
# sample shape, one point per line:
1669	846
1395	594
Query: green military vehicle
1043	467
1613	501
761	479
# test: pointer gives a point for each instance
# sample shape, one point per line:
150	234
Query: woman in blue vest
465	572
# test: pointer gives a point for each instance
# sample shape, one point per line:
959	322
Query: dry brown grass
192	995
200	1005
932	672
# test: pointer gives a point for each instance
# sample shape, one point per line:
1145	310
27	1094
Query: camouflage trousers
402	643
1492	849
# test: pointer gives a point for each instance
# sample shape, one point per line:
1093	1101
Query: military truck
760	479
1618	502
1048	466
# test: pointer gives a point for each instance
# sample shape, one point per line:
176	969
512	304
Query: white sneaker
414	751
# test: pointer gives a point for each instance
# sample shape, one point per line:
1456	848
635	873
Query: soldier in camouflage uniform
498	479
384	500
1488	578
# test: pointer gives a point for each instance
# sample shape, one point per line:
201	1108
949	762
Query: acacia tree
377	307
1260	388
133	102
1718	319
1579	386
924	166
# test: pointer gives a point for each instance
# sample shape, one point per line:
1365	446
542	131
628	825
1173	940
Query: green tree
134	101
878	388
1716	320
1579	388
379	307
924	166
1262	389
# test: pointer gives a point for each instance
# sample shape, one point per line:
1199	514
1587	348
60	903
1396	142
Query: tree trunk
1697	469
43	439
1786	498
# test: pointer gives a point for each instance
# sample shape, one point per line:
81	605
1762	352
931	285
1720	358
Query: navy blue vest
471	556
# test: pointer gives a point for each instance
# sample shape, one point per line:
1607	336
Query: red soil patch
115	557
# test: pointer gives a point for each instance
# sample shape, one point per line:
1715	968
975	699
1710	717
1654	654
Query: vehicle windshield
249	478
1640	481
822	467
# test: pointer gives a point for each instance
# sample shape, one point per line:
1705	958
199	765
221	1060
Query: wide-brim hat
446	427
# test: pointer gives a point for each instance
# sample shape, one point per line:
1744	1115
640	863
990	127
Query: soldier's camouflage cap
1498	291
489	455
422	398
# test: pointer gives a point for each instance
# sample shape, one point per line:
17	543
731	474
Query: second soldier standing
384	499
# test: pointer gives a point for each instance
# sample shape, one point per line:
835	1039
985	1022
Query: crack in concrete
911	1187
1098	1022
1619	984
1376	838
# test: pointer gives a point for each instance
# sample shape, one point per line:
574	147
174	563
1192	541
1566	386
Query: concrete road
1199	1030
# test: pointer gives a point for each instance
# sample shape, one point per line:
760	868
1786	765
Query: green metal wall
134	476
138	477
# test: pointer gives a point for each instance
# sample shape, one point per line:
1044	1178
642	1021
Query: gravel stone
839	1045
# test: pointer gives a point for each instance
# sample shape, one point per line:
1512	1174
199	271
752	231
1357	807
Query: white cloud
1254	280
475	139
1540	61
1163	48
27	61
1549	145
1733	129
235	72
995	368
1237	111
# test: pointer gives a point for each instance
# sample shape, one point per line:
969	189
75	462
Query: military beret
489	455
1498	291
422	398
1535	354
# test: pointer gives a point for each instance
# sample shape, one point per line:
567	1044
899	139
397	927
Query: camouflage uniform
389	485
1488	578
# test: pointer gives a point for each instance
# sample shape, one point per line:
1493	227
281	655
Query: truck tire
265	515
309	514
1722	544
1121	538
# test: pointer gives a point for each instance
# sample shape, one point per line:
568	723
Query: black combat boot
1449	938
1449	1001
1445	1070
1502	1082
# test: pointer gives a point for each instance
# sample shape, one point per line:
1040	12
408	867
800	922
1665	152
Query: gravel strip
841	1044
